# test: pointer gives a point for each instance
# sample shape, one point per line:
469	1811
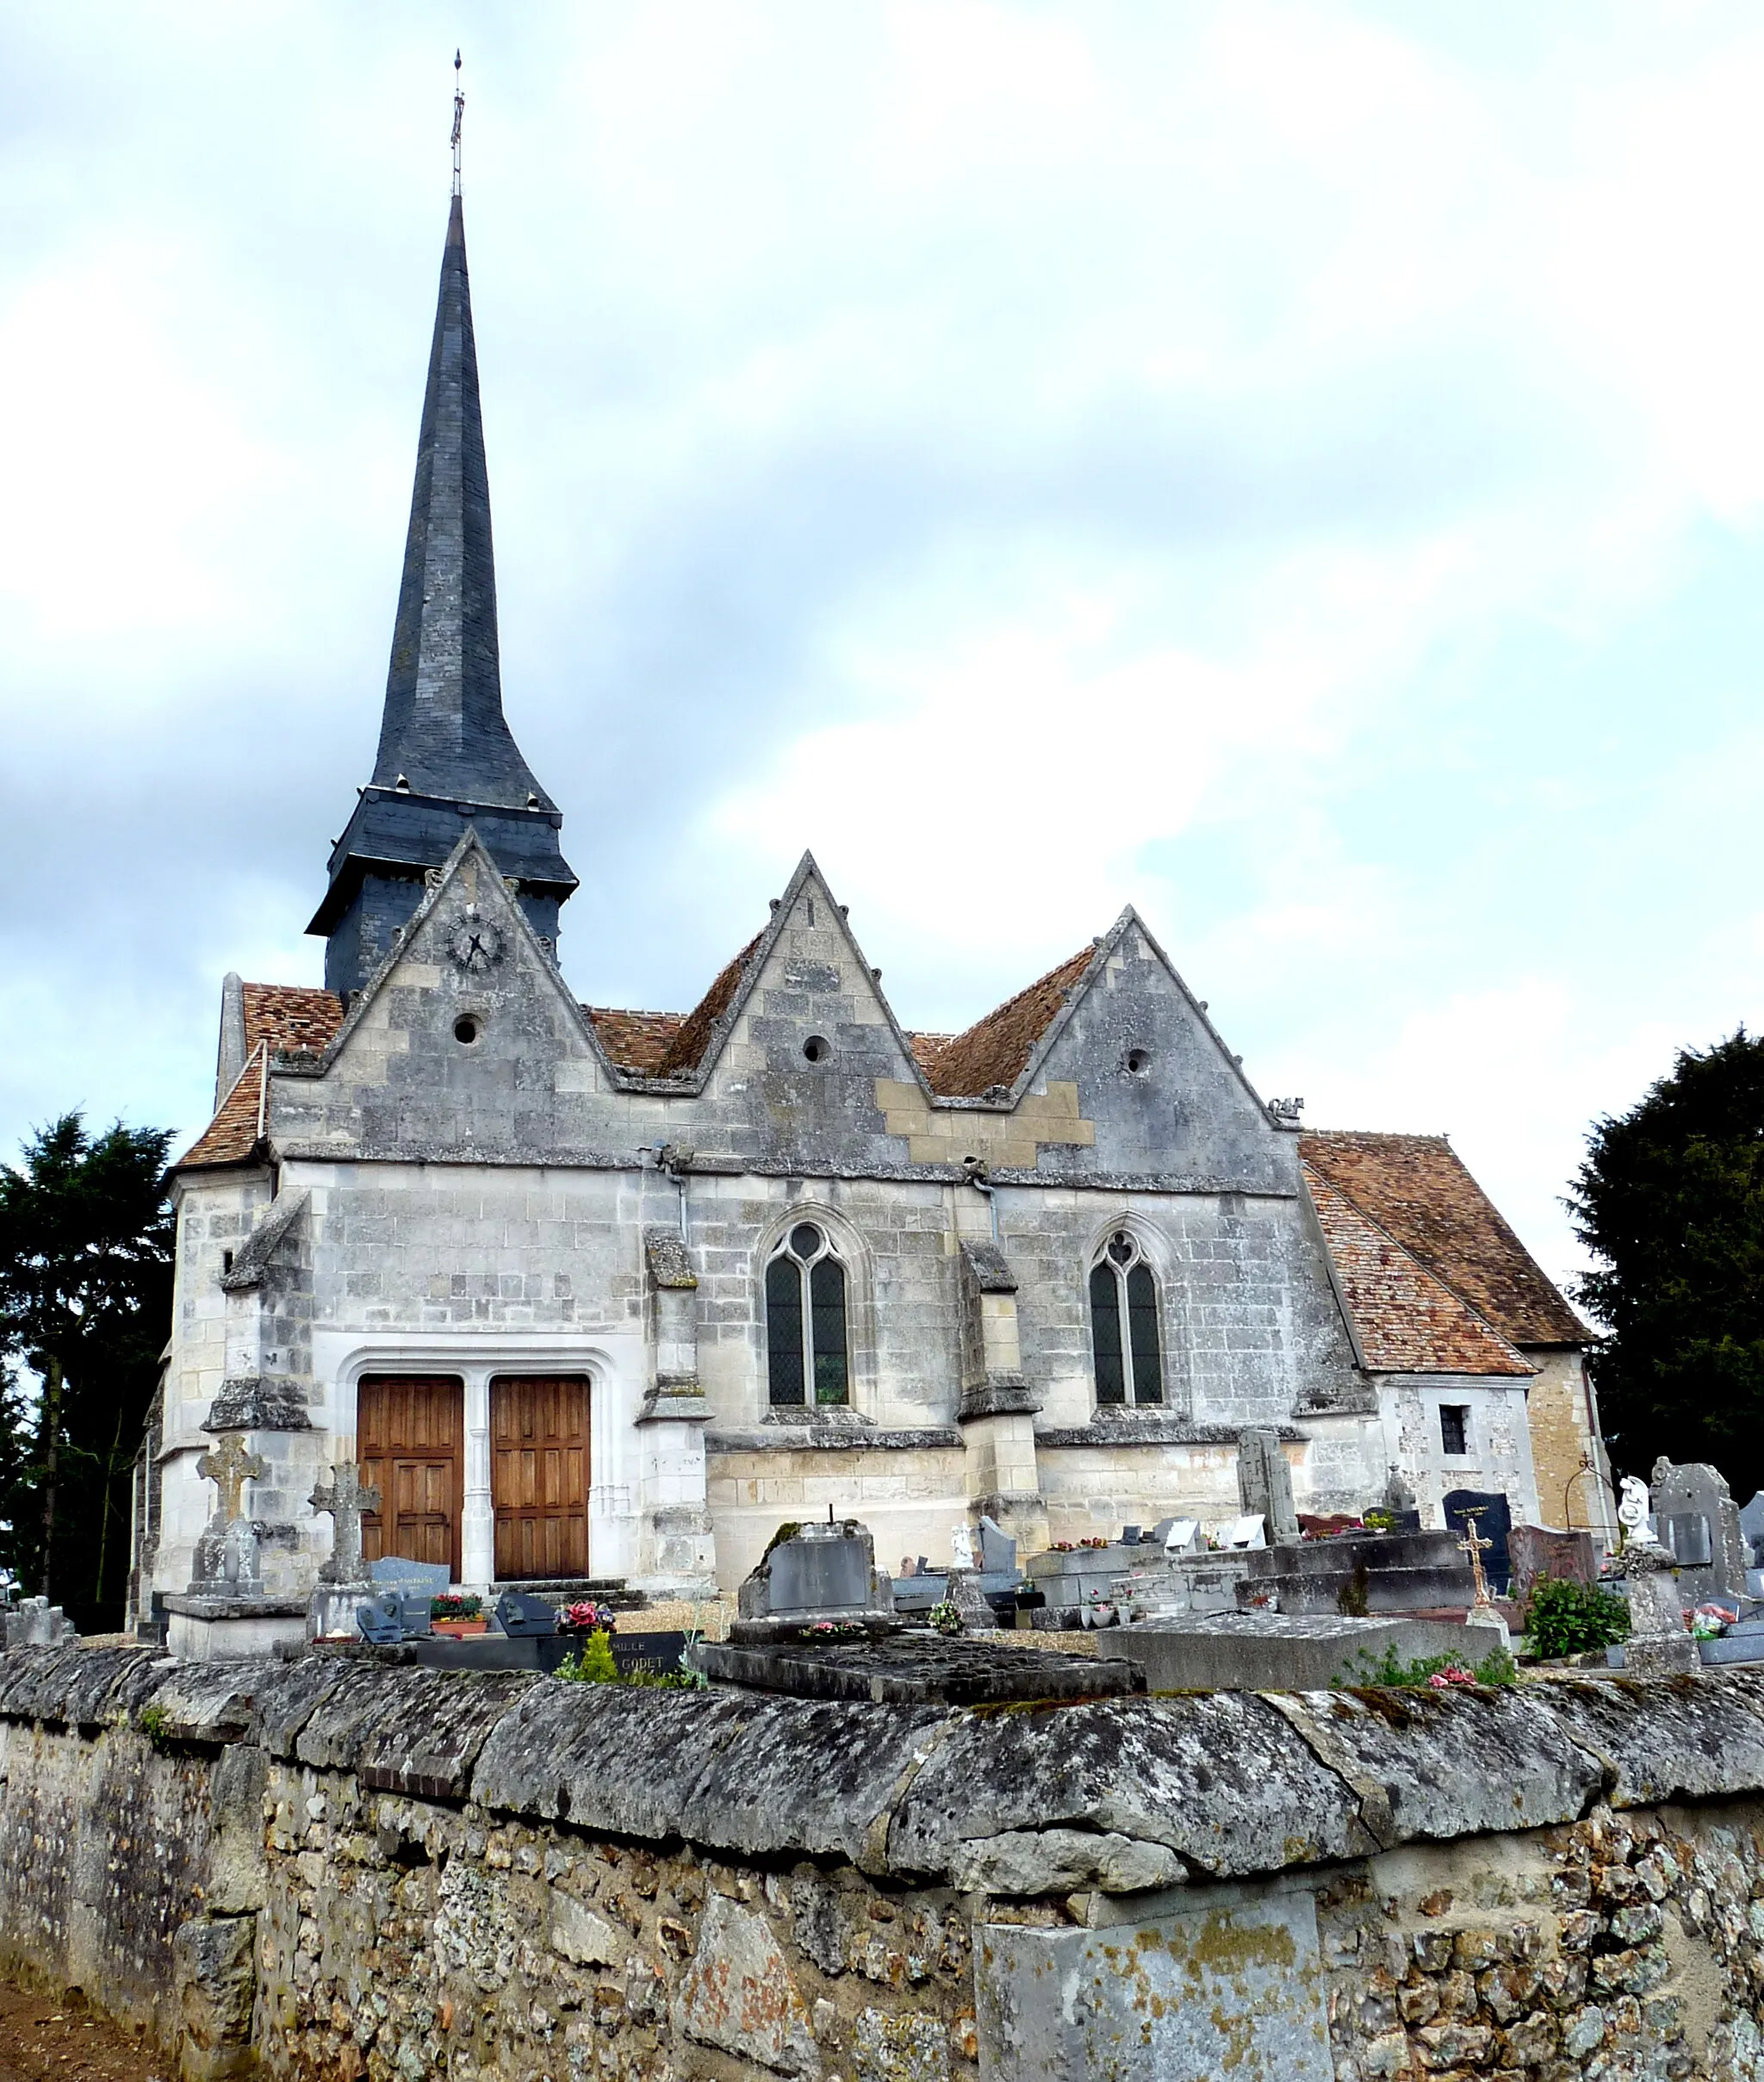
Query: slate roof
288	1016
993	1053
1407	1321
1417	1189
444	728
233	1135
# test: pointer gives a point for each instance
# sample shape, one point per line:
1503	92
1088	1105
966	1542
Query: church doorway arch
539	1476
410	1443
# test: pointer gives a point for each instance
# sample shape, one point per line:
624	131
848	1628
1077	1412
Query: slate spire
444	728
447	758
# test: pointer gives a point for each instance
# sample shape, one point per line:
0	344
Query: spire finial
458	117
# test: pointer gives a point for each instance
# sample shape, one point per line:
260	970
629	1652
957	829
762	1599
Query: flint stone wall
331	1869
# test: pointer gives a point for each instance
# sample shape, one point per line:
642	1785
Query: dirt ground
41	2038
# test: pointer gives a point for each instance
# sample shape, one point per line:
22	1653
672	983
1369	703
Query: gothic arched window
806	1331
1124	1324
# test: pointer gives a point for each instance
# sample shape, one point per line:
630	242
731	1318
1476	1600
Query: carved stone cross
230	1467
346	1498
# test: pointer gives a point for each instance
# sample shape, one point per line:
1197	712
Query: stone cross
230	1467
1475	1545
346	1498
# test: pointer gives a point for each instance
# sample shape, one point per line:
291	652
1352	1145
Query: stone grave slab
916	1668
1280	1652
1713	1556
1391	1572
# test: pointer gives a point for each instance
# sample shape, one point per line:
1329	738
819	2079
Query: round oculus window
466	1030
817	1048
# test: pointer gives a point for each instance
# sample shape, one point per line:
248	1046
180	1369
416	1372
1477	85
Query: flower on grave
1093	1543
1062	1546
586	1617
1454	1673
946	1619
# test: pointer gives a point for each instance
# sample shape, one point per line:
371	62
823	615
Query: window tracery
1125	1340
807	1336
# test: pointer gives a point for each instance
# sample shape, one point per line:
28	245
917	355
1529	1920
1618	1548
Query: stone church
600	1293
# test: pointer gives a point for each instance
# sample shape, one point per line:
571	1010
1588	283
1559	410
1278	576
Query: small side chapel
591	1293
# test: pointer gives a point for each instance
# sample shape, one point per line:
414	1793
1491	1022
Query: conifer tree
85	1303
1670	1200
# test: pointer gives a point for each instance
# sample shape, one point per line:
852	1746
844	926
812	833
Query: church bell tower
447	760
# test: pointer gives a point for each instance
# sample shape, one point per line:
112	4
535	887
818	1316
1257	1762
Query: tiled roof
1416	1188
288	1017
669	1044
234	1133
636	1040
994	1051
1408	1320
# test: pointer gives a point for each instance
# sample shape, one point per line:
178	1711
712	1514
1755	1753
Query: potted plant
457	1615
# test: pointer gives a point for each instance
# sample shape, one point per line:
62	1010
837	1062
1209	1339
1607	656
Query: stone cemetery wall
343	1869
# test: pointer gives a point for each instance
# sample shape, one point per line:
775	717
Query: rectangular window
1454	1427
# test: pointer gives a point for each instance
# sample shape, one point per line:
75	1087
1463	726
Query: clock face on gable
474	944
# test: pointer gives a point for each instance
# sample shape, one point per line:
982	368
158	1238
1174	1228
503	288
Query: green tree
85	1302
1670	1200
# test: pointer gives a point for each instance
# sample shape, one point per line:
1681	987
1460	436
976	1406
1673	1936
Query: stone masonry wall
335	1867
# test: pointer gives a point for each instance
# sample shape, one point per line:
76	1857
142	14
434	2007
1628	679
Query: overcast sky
1297	469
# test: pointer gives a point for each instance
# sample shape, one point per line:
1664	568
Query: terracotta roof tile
233	1135
1417	1189
995	1051
669	1044
289	1016
1408	1320
636	1040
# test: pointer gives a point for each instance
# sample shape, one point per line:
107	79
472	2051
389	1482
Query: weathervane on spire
459	116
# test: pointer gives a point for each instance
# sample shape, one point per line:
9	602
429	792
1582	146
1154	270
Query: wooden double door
410	1442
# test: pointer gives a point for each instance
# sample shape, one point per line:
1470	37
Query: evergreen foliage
86	1236
1670	1200
1568	1618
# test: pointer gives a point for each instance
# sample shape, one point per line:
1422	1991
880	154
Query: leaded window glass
806	1337
1124	1335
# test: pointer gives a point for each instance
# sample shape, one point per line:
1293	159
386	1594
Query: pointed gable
1406	1321
1418	1190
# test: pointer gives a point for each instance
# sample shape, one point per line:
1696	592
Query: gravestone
1752	1530
343	1579
820	1575
524	1618
1249	1530
424	1579
223	1563
998	1550
34	1623
1712	1556
1658	1645
815	1574
1264	1484
1491	1514
1536	1551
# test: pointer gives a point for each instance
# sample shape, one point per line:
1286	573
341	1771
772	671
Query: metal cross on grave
1476	1546
230	1467
346	1499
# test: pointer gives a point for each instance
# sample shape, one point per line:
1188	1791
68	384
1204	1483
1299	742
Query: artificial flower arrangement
586	1617
1064	1546
834	1630
1094	1541
946	1619
453	1605
1454	1673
